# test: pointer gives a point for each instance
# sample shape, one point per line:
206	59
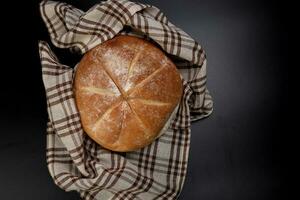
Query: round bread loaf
125	90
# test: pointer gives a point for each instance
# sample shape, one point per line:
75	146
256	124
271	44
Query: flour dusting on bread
125	91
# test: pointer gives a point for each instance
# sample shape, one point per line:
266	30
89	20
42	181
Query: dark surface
234	153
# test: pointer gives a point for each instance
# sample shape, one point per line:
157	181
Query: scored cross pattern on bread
125	90
99	91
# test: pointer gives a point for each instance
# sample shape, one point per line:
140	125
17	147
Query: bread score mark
146	80
150	102
100	91
105	115
147	133
124	94
133	63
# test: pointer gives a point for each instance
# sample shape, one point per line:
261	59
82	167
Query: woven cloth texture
76	162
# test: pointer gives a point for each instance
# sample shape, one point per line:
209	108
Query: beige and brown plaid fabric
75	161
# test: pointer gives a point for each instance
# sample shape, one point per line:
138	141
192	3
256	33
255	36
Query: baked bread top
125	90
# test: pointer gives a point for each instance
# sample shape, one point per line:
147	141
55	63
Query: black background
234	154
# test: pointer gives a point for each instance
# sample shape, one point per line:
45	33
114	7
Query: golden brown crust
125	90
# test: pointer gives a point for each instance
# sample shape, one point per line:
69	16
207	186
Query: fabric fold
76	162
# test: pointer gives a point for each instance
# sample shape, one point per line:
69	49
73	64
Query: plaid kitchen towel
76	162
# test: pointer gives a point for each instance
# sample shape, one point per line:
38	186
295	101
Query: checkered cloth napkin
76	162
